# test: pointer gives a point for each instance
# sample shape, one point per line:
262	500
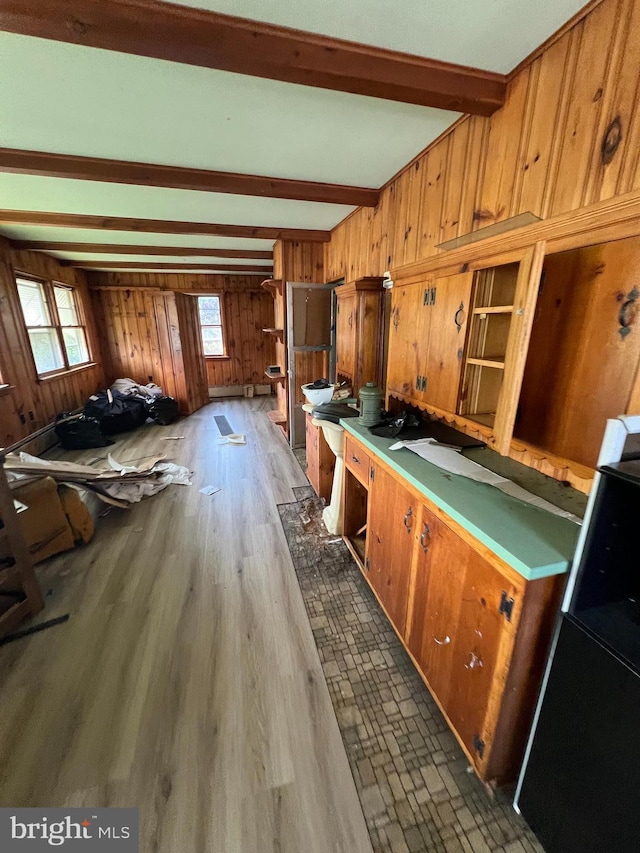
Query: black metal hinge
506	605
421	383
372	473
366	564
478	744
429	297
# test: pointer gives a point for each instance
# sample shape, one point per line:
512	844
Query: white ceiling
491	34
69	99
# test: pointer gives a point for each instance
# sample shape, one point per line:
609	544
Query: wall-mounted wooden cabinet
359	332
426	339
584	352
476	629
530	350
457	343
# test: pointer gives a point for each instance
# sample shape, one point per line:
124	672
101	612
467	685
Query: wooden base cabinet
392	518
477	631
320	460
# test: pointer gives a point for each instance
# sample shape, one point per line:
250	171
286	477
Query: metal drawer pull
407	519
444	642
355	459
474	662
424	536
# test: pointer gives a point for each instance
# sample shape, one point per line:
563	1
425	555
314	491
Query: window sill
218	357
64	373
6	389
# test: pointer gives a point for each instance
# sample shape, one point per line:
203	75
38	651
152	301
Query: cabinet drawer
357	460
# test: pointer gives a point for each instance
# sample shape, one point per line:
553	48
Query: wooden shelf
494	309
274	286
275	376
277	333
276	417
487	362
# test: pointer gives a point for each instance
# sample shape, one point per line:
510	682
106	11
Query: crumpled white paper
169	474
451	459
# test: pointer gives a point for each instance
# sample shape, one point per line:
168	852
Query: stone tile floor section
412	777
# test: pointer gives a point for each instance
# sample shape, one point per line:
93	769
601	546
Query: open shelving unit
492	309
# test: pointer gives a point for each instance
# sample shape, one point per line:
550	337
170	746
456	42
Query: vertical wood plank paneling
503	149
31	404
137	329
541	152
536	155
616	99
431	208
585	105
454	180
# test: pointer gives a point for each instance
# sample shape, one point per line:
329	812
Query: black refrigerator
579	789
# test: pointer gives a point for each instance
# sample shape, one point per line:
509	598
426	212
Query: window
210	310
54	324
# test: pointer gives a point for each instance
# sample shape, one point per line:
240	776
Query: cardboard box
44	524
78	515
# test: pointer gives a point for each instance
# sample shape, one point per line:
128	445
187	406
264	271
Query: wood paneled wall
568	135
134	346
31	404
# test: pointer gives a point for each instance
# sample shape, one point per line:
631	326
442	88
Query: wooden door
391	528
482	649
438	585
448	307
346	327
408	337
458	635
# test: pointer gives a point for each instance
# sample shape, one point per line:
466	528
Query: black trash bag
163	409
116	412
78	432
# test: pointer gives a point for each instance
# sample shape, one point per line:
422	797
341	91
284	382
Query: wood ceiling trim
141	265
21	162
125	249
159	226
212	40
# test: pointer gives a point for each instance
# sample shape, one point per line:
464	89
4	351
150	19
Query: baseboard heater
237	390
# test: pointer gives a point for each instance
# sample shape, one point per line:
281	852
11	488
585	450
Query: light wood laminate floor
186	681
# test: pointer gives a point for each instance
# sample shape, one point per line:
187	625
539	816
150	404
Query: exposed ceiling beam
43	163
140	265
211	40
125	249
159	226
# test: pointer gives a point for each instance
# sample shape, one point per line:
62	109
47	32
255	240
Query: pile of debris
118	485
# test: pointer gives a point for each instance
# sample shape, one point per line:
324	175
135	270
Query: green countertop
536	543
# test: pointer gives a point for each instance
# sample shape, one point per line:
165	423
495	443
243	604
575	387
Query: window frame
48	289
222	325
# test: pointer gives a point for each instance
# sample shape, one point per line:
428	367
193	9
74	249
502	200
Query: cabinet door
390	538
408	336
457	632
346	327
481	652
438	585
448	307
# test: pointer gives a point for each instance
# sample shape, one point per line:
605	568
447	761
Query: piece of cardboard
44	523
77	513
